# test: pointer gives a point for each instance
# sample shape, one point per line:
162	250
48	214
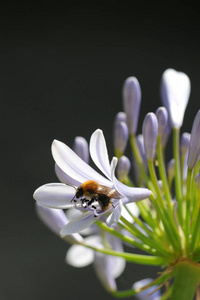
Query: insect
93	191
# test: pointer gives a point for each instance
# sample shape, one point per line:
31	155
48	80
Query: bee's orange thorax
89	185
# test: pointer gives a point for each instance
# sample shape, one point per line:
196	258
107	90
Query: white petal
74	166
98	152
56	195
79	256
115	215
175	91
78	224
63	177
133	194
53	218
134	210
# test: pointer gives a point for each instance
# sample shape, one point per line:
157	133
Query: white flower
73	170
175	92
107	267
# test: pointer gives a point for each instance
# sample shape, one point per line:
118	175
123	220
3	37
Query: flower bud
123	168
131	102
81	148
150	132
140	142
162	117
194	147
175	92
171	169
185	142
120	117
120	137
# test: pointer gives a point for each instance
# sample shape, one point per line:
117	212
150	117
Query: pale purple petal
115	215
55	195
132	194
80	223
65	178
175	92
194	148
98	152
72	164
143	295
109	267
81	148
53	218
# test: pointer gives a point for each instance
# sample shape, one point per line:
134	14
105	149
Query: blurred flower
175	92
131	102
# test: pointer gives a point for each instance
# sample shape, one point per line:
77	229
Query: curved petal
63	177
72	164
55	195
103	268
53	218
99	153
115	215
78	224
132	194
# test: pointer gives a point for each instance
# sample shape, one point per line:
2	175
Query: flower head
62	195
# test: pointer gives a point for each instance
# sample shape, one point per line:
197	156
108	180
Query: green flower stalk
158	213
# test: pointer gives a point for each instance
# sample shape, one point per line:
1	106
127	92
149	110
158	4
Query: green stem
131	257
187	277
178	187
163	174
140	162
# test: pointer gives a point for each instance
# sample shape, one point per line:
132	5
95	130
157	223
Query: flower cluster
158	211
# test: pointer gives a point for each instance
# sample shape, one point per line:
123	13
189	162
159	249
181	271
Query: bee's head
79	192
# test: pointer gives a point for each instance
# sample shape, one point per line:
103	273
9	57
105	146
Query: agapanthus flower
60	195
165	189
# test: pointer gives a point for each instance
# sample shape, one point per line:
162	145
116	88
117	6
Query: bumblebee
92	191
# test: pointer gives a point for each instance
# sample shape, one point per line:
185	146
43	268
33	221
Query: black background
61	74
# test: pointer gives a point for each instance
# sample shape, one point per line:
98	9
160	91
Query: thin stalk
163	175
126	239
188	203
178	186
145	239
140	162
170	227
130	257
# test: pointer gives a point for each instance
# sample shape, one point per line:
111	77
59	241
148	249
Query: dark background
61	74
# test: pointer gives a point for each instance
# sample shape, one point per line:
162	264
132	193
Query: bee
93	191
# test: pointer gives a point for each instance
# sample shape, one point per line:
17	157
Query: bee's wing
109	192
